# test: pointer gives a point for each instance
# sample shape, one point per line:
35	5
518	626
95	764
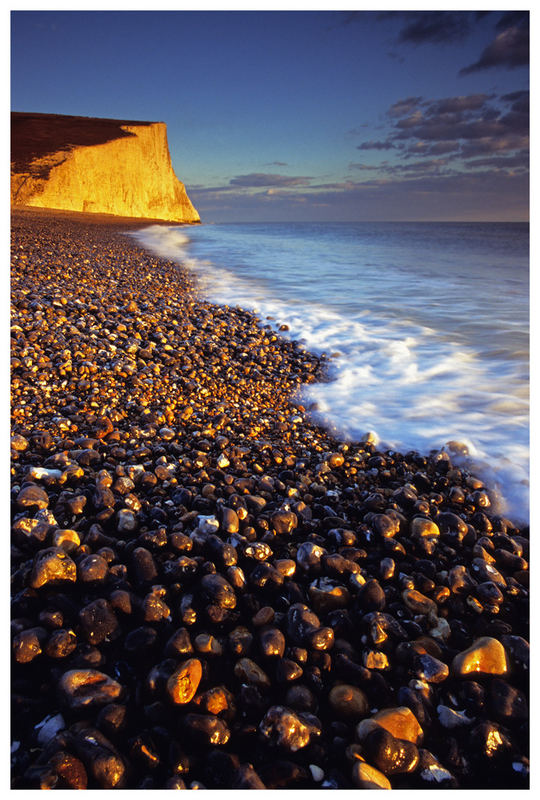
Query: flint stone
87	688
51	566
485	656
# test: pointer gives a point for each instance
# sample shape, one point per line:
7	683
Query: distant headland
91	165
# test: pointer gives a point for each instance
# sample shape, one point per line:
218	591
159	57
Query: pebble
287	729
52	566
485	656
87	688
177	506
364	776
183	683
389	754
348	702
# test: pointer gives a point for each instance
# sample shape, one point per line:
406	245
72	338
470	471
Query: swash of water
427	324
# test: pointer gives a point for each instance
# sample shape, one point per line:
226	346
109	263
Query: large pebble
485	656
184	682
389	754
51	566
287	729
87	688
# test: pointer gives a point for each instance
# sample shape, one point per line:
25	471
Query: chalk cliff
97	166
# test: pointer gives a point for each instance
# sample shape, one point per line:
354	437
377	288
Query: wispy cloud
465	125
509	49
260	179
379	145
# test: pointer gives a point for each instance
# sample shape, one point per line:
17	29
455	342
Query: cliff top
35	135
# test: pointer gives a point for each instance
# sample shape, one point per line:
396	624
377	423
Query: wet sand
211	591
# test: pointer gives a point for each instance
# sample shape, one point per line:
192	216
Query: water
427	324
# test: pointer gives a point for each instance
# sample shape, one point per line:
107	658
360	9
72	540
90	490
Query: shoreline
251	591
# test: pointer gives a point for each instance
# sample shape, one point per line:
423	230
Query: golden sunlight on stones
485	656
183	683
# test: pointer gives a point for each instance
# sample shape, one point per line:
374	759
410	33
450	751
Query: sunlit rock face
96	166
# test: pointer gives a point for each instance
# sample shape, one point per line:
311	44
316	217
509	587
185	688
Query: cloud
404	106
264	179
363	167
375	145
509	49
435	26
277	164
520	161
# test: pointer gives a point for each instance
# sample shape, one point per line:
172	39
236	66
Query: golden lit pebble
285	566
67	539
400	722
423	527
485	656
364	776
375	659
183	683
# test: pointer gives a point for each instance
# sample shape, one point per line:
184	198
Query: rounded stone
184	682
389	754
32	496
421	527
400	722
364	776
348	702
87	688
52	565
247	671
288	730
485	656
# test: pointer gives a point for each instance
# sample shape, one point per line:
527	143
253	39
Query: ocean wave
410	384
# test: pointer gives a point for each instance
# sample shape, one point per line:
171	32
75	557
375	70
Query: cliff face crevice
96	166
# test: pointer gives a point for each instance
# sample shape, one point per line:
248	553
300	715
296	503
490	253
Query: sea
426	326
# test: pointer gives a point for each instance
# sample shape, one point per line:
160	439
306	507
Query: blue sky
303	115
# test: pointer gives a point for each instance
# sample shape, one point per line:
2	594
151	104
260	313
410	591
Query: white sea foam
414	386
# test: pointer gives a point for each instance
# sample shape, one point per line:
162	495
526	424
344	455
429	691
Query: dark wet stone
32	497
301	623
288	670
28	644
506	702
284	522
433	774
430	669
101	759
348	702
229	520
112	719
92	568
390	755
99	622
271	642
246	777
489	742
301	698
282	774
70	771
287	729
140	639
206	730
371	597
218	591
218	701
61	643
143	566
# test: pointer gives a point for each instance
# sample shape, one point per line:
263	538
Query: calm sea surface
427	323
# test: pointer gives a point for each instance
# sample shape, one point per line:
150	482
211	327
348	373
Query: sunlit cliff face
129	174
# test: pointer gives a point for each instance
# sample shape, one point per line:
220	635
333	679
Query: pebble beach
209	591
